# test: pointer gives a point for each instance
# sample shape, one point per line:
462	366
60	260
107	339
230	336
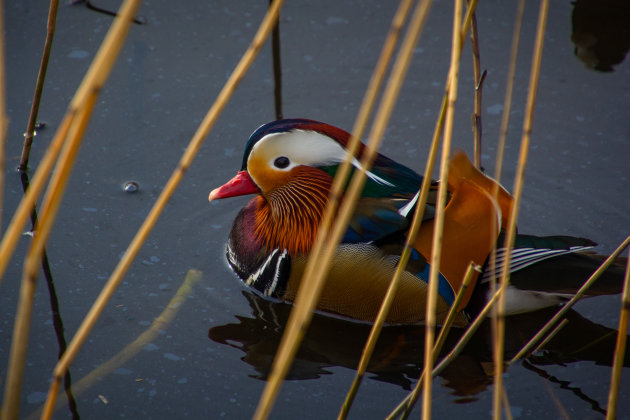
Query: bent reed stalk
415	226
157	327
517	193
143	232
316	268
327	244
620	347
39	85
70	135
438	228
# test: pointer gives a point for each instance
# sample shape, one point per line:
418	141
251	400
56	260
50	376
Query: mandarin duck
289	165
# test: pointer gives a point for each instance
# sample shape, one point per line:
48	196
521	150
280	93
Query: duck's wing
529	250
387	202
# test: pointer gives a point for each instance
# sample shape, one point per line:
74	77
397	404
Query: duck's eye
281	162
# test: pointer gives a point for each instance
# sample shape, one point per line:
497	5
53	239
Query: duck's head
290	165
287	153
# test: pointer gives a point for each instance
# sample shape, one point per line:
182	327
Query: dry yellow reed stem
436	247
358	129
461	343
384	310
186	160
506	405
437	134
161	323
23	212
509	89
620	348
19	343
378	75
316	268
565	308
404	258
507	105
411	399
413	231
518	189
81	107
424	193
548	338
470	331
92	82
56	188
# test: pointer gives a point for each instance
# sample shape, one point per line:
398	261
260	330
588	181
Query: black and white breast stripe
524	257
269	277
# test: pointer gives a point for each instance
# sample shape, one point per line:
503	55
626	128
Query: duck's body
290	164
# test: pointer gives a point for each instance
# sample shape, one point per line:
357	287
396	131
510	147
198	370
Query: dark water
210	361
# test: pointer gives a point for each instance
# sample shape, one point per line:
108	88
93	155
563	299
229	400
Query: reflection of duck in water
290	164
601	32
397	357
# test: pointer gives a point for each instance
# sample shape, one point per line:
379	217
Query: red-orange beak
241	184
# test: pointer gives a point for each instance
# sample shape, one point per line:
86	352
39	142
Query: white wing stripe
525	257
404	210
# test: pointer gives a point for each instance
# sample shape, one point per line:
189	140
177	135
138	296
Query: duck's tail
547	271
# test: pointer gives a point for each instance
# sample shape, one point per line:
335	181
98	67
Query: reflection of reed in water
397	358
389	363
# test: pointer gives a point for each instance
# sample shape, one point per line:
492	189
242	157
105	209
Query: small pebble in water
131	186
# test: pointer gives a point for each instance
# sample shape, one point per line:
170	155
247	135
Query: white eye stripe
305	147
301	147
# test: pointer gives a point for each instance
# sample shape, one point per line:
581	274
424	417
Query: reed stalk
277	68
446	328
552	334
160	324
32	263
427	175
23	212
186	160
509	89
507	105
518	190
92	82
470	331
506	404
437	134
400	267
620	347
567	306
23	168
78	117
436	247
379	72
456	351
413	231
478	78
39	85
324	247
